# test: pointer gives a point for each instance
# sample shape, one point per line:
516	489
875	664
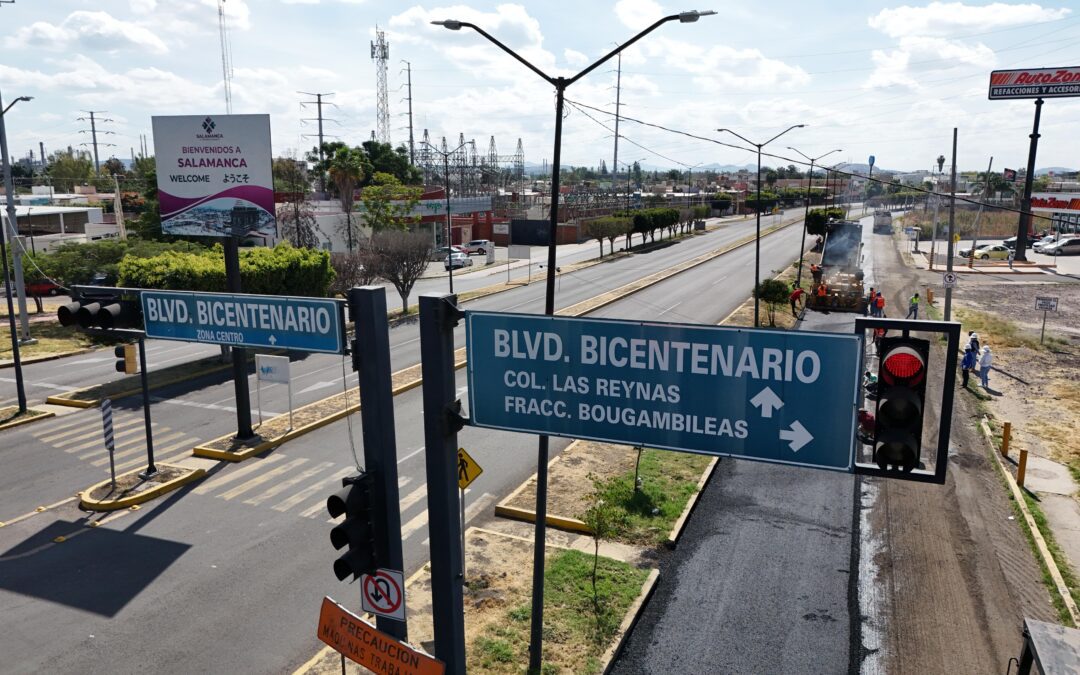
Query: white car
1064	247
480	246
456	260
1043	244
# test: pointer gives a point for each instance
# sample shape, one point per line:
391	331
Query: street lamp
16	260
446	188
806	213
560	84
757	238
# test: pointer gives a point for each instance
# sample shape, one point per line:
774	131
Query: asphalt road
227	575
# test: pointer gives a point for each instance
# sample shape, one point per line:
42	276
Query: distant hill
1056	170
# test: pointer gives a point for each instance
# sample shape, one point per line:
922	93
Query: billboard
1052	202
1035	83
214	175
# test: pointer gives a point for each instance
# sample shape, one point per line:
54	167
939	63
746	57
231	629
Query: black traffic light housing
127	358
902	373
358	531
107	309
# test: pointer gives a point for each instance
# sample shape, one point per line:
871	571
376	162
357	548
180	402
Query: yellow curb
251	451
684	517
27	420
70	402
633	613
112	505
1036	534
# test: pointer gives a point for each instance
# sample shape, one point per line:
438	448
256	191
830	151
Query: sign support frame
239	354
1029	180
371	358
442	420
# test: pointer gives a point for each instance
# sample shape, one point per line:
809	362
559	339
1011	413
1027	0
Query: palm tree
346	168
989	184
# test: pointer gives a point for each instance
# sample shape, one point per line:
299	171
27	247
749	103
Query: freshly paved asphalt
226	575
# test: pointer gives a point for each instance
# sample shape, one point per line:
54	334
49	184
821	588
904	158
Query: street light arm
621	47
794	126
456	25
756	145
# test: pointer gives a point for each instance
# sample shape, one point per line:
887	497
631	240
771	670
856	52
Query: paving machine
838	280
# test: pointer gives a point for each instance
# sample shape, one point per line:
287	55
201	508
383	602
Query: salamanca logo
208	126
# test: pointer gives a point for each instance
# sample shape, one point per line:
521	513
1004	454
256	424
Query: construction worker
879	305
913	307
815	273
822	293
869	308
795	296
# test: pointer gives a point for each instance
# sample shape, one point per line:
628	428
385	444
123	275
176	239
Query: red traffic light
903	365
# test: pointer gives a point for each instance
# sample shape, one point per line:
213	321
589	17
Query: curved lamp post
16	260
757	209
450	653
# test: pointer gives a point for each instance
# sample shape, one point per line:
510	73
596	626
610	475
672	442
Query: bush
282	270
76	263
773	293
817	218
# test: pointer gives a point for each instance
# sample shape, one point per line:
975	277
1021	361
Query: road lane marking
158	448
262	478
413	497
226	477
84	425
312	489
288	483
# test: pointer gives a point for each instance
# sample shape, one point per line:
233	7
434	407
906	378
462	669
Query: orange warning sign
363	643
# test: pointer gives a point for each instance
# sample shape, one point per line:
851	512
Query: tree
389	205
297	224
113	167
351	269
636	171
346	168
608	227
68	168
773	293
600	519
400	258
771	177
290	175
394	161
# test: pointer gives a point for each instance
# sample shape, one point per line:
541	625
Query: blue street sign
303	324
768	395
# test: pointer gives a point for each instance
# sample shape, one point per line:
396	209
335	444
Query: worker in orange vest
879	305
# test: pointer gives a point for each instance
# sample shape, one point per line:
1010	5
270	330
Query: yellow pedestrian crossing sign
467	469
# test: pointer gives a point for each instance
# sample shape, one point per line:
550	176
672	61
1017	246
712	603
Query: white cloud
574	57
941	19
638	14
98	31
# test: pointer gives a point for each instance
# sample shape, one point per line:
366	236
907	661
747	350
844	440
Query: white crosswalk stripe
139	446
261	478
98	445
323	488
413	497
228	474
288	483
481	503
82	430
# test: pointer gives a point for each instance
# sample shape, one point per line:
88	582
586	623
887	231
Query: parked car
993	252
1066	246
1010	242
480	246
43	287
1041	245
441	252
456	260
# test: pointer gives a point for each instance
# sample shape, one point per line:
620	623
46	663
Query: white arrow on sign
768	401
272	340
798	436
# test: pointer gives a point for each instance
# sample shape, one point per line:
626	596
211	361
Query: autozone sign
1055	201
1037	83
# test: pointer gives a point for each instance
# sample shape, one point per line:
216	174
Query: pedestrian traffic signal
126	359
356	500
901	400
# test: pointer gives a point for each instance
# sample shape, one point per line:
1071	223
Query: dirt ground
1032	386
954	572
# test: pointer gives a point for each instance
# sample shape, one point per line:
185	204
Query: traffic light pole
239	355
371	358
438	316
151	469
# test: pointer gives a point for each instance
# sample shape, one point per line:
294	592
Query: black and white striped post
110	445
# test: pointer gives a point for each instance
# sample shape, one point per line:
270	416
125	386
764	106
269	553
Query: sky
870	78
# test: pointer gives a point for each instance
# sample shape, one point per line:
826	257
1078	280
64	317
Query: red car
43	287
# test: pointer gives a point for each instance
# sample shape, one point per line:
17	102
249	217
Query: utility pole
319	104
408	84
93	131
226	56
618	108
952	220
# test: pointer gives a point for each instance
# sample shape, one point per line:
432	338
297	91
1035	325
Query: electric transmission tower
318	102
380	54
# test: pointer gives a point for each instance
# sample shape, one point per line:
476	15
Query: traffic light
901	400
126	359
107	312
356	500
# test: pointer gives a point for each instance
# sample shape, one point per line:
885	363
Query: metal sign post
151	470
1046	304
107	428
